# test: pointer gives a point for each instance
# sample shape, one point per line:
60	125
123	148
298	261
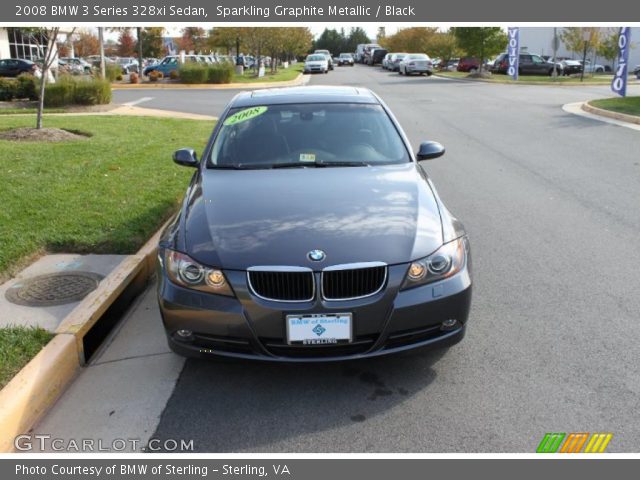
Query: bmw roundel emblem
316	255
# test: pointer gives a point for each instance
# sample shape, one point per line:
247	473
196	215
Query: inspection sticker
307	157
244	115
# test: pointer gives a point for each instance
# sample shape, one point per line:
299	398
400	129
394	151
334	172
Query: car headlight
186	272
448	260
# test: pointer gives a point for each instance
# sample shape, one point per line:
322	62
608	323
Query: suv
528	64
329	57
376	56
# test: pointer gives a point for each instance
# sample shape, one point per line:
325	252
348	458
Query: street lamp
586	36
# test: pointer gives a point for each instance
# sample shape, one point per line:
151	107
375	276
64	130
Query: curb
35	388
299	80
519	82
623	117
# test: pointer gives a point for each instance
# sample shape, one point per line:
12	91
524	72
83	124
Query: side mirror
186	157
429	150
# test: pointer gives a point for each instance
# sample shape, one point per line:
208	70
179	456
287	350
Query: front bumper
251	328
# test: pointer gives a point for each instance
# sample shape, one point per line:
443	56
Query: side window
537	59
525	58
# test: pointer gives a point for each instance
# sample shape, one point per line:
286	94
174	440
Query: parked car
362	51
394	63
172	62
419	63
128	64
636	71
265	262
345	59
316	63
450	65
468	64
368	50
376	56
385	61
528	64
592	67
75	65
12	67
328	55
571	67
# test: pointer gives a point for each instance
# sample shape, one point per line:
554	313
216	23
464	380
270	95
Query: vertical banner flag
513	51
619	82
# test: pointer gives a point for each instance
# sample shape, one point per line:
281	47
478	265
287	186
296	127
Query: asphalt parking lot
550	201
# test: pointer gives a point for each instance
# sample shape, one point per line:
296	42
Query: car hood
238	219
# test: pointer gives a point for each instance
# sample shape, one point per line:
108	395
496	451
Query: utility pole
556	44
103	72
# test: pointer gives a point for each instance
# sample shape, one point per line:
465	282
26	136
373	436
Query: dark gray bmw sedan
310	232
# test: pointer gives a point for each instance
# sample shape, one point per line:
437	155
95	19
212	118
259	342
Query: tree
573	38
414	39
480	42
224	38
356	36
152	44
86	43
330	39
193	40
50	36
297	41
444	46
126	44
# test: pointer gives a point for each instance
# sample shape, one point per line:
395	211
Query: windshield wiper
342	164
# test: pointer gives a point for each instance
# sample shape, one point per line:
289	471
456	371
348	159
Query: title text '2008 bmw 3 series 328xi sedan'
310	232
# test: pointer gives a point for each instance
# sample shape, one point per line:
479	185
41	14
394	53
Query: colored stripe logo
574	443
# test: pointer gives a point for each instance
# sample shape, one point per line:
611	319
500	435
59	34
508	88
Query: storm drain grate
53	289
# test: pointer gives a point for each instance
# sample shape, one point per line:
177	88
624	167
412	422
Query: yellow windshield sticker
307	157
244	115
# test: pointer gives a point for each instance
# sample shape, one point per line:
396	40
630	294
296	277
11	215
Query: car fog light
449	324
215	278
184	333
417	271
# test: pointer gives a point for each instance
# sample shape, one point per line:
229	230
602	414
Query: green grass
283	75
628	105
13	111
498	78
103	194
18	345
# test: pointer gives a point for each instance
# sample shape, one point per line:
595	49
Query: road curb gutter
40	383
623	117
299	80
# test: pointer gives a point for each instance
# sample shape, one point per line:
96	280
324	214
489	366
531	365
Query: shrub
193	73
92	92
154	75
8	89
133	77
173	75
28	86
112	70
220	73
60	93
119	78
77	91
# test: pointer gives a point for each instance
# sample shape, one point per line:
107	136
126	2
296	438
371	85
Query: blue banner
513	51
619	82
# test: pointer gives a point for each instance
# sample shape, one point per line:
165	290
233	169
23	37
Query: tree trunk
140	67
43	81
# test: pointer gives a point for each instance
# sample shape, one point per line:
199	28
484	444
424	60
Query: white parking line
138	102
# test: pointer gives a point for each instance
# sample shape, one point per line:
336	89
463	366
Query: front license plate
319	329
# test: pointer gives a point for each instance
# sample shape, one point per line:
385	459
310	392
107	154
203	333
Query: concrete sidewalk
124	389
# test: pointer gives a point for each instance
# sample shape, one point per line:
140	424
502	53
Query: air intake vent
350	283
282	285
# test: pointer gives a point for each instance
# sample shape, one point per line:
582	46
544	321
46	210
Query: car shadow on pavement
257	406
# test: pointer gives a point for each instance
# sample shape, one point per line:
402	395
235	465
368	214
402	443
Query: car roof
307	94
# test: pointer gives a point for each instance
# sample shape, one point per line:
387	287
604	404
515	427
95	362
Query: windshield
307	135
316	58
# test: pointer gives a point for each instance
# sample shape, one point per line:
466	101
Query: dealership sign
619	82
513	50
